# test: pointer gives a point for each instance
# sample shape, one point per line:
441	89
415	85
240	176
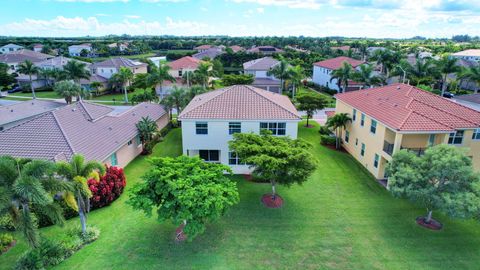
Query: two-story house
178	69
15	58
210	120
10	48
259	68
399	116
469	55
76	50
111	66
322	72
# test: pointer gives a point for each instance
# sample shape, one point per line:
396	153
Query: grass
133	56
42	94
340	219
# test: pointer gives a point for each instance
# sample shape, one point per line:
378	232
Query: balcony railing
416	151
388	147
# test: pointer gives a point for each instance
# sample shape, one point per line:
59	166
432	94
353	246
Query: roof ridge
63	132
86	110
254	89
220	92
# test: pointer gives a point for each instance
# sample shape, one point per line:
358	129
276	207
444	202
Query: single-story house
14	114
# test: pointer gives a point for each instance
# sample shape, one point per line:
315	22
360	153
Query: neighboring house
13	59
371	50
10	48
157	60
236	48
259	68
471	101
95	131
122	46
58	63
111	66
297	49
76	50
177	70
322	72
266	50
37	47
211	53
14	114
203	48
210	120
344	49
399	116
469	55
86	83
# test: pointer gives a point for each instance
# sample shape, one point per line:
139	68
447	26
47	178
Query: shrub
327	140
5	241
324	130
108	188
6	223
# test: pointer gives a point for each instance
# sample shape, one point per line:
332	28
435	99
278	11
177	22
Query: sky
316	18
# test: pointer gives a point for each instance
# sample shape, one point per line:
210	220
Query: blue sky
318	18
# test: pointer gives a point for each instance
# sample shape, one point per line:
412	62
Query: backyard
339	219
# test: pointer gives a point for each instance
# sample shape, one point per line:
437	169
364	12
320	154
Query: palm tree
47	75
203	73
296	75
423	72
365	75
281	72
75	70
146	129
343	75
123	77
193	91
76	173
338	122
25	184
472	74
188	78
28	68
95	86
159	75
445	66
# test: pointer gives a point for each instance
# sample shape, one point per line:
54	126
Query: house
322	71
469	55
471	101
57	63
87	83
111	66
210	120
371	50
344	49
10	48
236	48
259	68
400	116
122	46
211	53
15	58
266	50
95	131
76	50
177	70
157	60
203	48
14	114
37	47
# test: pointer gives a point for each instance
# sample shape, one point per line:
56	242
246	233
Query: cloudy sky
318	18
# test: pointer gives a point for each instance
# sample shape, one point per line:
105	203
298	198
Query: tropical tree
296	75
234	79
146	129
445	66
28	68
69	89
95	86
472	74
123	77
281	72
366	76
148	95
193	91
77	172
338	122
6	79
26	184
343	75
76	70
442	179
310	102
191	193
203	73
188	78
160	75
47	75
281	160
387	59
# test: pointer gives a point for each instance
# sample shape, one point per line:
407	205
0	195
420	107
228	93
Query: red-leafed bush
108	188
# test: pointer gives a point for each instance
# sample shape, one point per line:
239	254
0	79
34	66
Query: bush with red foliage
108	188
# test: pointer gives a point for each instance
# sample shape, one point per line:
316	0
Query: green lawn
340	219
133	56
42	94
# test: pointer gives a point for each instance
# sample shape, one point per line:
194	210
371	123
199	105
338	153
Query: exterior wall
139	70
260	74
76	50
106	72
7	49
176	72
321	76
218	137
472	147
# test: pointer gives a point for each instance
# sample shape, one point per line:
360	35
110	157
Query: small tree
233	79
338	122
276	159
146	129
67	90
443	179
310	102
28	68
188	191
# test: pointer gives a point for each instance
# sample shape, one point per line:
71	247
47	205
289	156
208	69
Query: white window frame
197	128
274	129
454	136
476	134
234	127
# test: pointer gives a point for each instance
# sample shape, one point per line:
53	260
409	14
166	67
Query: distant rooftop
118	62
22	55
336	63
264	63
471	52
26	109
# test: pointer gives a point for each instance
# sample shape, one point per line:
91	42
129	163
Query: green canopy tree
281	160
26	184
338	122
234	79
68	90
76	70
343	75
186	190
366	76
442	179
203	74
281	72
310	102
28	68
158	76
445	66
146	129
123	77
472	74
77	172
296	75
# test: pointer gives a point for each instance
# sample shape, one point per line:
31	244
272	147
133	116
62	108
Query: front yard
340	219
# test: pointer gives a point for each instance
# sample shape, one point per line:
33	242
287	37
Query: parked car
15	89
448	95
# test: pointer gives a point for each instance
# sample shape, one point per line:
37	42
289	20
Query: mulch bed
12	244
433	225
270	203
334	148
179	235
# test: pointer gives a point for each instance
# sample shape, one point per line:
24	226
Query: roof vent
74	109
11	110
398	87
110	128
134	114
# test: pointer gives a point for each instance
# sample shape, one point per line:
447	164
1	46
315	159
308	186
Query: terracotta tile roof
406	108
265	63
203	47
92	130
22	55
186	62
336	63
470	52
211	53
236	48
118	62
240	102
26	109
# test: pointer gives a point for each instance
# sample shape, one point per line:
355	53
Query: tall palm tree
203	73
423	72
343	75
95	86
338	122
193	91
75	70
296	75
365	75
281	72
76	173
28	68
124	76
158	76
445	66
25	184
472	74
146	128
188	78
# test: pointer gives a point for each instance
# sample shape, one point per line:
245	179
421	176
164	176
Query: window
356	141
354	115
456	137
201	128
233	159
234	127
210	155
375	160
180	73
138	140
362	120
130	142
476	134
373	127
362	151
275	128
114	160
431	140
347	136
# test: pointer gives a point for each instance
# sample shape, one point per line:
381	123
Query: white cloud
133	16
93	1
261	10
308	4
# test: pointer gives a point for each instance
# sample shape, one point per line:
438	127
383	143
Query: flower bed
108	188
